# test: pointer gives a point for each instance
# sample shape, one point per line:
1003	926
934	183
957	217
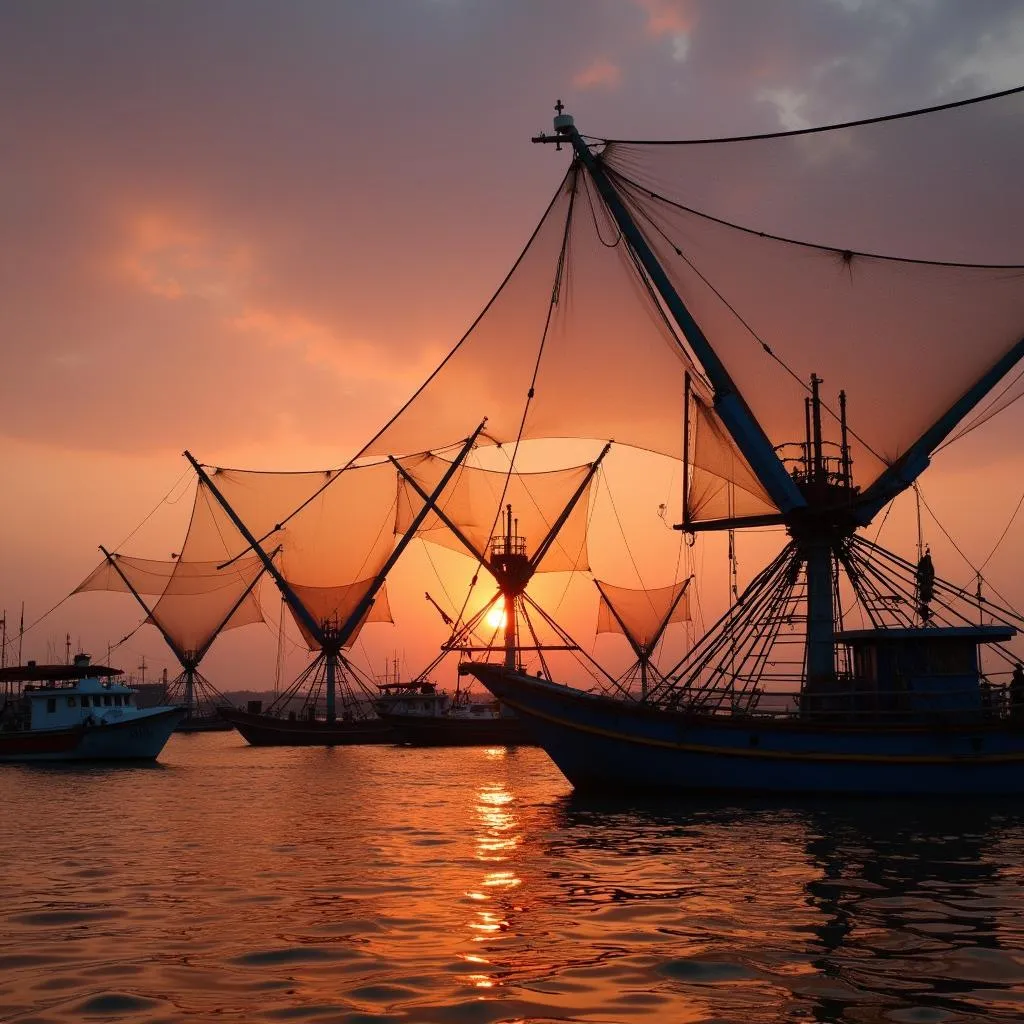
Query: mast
748	434
686	450
508	597
819	462
844	441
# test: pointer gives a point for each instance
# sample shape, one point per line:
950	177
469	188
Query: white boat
78	712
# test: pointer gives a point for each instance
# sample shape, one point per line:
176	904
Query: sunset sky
250	229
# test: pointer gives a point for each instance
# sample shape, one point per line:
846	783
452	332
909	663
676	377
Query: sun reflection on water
496	838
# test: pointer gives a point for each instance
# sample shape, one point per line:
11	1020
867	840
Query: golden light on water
496	839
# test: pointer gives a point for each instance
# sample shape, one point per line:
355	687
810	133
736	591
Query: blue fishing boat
781	694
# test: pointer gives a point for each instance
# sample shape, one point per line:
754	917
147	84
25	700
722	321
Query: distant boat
420	715
78	712
295	730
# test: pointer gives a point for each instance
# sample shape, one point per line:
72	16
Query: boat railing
987	701
503	544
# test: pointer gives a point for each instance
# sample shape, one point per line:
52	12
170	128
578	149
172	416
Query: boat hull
428	731
268	731
140	738
204	723
603	744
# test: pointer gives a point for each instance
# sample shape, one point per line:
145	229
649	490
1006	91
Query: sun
496	617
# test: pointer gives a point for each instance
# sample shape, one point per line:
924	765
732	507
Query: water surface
379	884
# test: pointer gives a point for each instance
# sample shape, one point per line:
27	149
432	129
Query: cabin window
106	700
51	705
117	700
127	699
71	702
85	700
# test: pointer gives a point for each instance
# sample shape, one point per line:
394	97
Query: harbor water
469	886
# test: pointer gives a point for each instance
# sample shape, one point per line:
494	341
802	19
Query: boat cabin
417	697
915	672
65	696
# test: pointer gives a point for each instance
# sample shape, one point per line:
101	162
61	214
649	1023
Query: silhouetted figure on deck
1017	692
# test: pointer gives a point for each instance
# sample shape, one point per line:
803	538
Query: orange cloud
354	361
669	17
599	73
172	260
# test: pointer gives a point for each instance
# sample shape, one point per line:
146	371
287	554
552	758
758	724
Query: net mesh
335	604
574	344
194	599
904	339
721	484
642	615
331	541
476	496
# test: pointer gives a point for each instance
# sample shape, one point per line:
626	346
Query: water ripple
471	887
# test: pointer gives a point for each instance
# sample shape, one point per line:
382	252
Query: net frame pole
176	650
439	512
201	653
683	591
626	632
300	610
429	505
556	526
916	459
734	412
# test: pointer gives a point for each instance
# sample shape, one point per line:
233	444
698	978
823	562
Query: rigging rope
632	201
977	572
821	128
846	255
1002	536
986	414
166	499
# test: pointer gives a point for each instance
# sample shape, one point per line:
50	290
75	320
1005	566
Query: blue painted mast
819	508
730	406
331	639
734	412
906	469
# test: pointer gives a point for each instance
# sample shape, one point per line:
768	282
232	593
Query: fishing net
641	615
795	254
196	600
476	499
329	532
335	604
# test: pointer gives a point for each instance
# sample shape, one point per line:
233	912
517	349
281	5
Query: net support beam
178	652
734	412
429	505
300	610
556	527
909	466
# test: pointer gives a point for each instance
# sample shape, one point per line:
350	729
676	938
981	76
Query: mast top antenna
564	125
563	122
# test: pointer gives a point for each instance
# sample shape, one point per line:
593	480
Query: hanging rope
1002	536
634	204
